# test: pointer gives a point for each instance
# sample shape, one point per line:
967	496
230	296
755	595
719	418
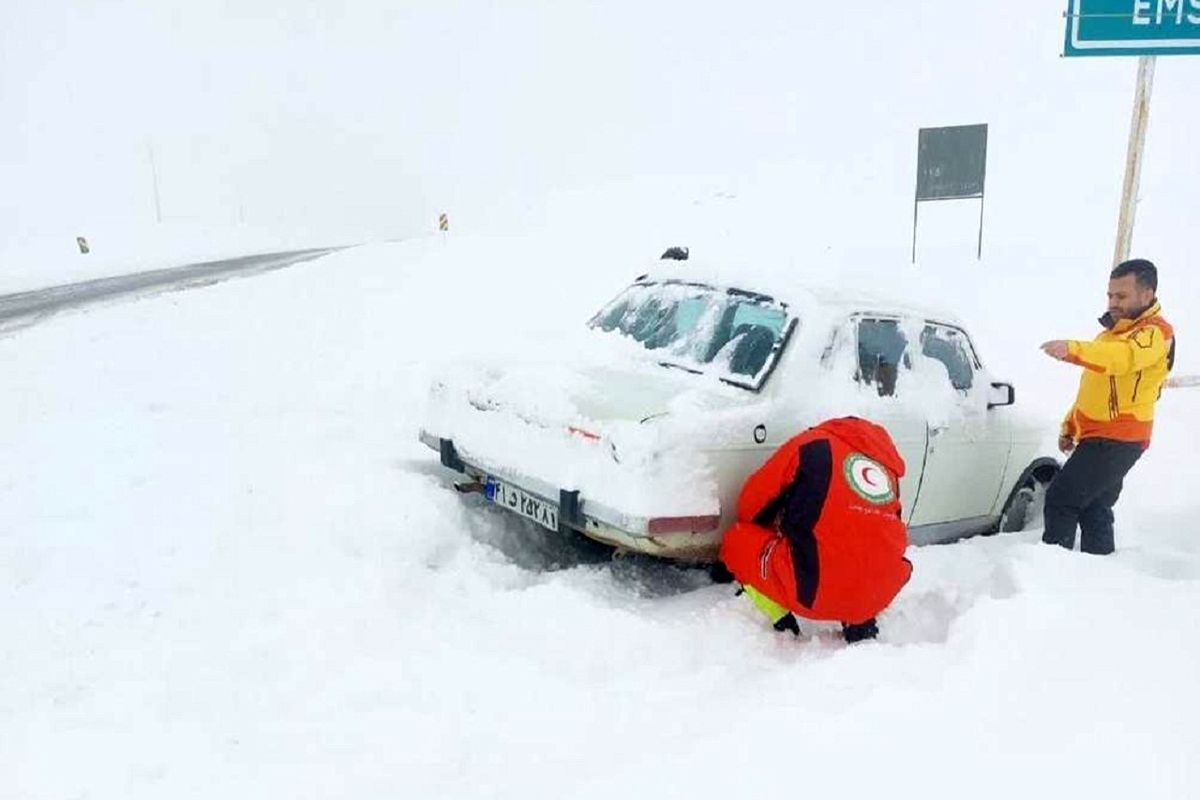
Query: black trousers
1084	493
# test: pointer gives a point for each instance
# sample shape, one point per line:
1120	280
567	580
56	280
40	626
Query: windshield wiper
729	381
738	384
680	366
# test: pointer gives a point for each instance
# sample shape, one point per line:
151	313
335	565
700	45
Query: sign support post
979	249
1133	158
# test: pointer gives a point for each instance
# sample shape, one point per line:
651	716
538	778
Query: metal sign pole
916	202
979	250
1133	157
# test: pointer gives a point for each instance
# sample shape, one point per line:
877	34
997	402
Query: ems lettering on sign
1132	27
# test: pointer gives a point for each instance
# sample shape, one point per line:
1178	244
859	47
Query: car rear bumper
695	537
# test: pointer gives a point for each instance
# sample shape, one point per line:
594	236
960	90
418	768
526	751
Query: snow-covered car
643	431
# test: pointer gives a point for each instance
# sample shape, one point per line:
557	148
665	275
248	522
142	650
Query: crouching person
819	533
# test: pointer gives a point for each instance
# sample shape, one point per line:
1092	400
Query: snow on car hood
594	394
621	429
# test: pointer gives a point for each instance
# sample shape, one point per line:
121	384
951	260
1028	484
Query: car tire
719	573
1024	508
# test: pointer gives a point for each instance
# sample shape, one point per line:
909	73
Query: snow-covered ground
227	569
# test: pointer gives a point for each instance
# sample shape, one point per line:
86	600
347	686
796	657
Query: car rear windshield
734	335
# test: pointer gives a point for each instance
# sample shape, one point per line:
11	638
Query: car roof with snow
849	296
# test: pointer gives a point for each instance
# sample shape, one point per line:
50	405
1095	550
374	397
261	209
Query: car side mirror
1001	394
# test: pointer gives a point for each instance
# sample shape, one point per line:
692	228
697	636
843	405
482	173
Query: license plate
523	503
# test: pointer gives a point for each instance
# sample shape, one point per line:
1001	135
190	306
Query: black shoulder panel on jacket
805	502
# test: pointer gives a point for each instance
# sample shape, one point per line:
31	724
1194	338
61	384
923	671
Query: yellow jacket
1125	368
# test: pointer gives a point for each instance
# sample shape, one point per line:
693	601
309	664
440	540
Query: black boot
863	630
788	623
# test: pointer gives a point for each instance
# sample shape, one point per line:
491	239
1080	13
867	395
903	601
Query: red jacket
818	526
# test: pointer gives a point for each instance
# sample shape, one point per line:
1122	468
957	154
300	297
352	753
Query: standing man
1109	426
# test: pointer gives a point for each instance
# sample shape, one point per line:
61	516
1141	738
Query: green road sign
951	162
1133	27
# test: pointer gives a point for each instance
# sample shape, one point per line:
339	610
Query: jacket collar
1121	325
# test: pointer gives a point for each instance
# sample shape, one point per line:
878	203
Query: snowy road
24	308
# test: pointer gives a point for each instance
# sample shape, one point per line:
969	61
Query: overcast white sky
388	112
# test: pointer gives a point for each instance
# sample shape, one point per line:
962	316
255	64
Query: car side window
881	345
950	346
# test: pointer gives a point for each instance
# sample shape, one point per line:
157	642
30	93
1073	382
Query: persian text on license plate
525	504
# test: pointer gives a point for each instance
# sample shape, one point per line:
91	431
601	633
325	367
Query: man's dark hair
1144	272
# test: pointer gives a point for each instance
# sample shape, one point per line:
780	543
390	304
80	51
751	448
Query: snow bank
270	587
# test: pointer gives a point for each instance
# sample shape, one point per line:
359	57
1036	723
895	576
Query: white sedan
642	434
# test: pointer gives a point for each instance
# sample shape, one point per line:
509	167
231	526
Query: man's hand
1066	443
1057	349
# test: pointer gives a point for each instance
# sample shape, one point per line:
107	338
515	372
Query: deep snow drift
232	570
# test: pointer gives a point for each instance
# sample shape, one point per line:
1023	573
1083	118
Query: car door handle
937	430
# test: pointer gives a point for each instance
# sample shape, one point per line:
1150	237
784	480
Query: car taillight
683	524
592	437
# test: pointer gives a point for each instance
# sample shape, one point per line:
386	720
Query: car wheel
719	573
1024	509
